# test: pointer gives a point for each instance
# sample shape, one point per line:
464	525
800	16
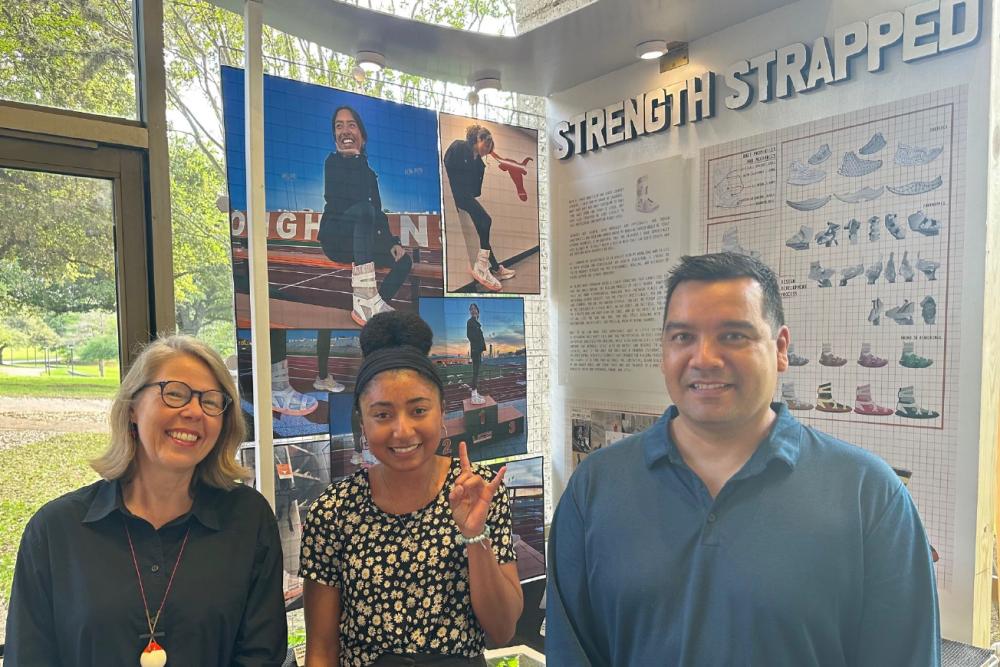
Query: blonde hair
219	468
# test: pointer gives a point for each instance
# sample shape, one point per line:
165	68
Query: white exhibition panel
902	76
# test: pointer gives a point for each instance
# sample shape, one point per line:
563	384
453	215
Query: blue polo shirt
812	554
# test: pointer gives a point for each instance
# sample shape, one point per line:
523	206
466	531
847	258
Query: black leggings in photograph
482	221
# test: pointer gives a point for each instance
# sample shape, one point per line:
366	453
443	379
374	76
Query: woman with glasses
167	559
411	561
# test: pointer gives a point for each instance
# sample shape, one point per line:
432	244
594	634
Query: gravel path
26	420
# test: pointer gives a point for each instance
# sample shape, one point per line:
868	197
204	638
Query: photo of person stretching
354	229
477	345
463	162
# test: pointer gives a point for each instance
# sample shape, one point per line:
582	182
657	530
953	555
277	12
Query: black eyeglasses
177	394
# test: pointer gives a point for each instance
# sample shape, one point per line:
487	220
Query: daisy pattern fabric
403	579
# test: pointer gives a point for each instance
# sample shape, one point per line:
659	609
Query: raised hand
471	496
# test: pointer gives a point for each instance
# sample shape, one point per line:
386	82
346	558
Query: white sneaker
365	309
356	459
477	399
328	384
503	273
481	272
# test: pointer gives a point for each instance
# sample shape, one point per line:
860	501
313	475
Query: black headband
389	358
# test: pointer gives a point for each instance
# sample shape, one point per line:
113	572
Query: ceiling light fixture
370	61
651	50
487	85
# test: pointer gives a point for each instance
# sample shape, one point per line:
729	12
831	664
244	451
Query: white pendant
153	656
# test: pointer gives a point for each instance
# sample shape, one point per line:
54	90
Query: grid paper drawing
864	228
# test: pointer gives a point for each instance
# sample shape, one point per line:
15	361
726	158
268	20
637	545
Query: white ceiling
583	45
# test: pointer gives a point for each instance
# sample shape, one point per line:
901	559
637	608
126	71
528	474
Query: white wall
805	21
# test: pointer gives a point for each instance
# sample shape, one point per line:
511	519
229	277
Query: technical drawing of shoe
828	237
789	398
874	145
910	359
809	204
927	267
820	156
794	359
860	195
915	187
853	167
928	310
905	269
825	402
903	313
869	360
915	156
820	275
874	228
890	268
864	405
874	271
907	406
897	232
920	223
481	272
852	231
801	174
850	273
828	358
503	273
875	316
800	239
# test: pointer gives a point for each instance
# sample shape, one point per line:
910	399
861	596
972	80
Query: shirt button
711	517
155	568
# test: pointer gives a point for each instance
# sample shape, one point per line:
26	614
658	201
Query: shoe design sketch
874	145
928	310
869	360
828	237
820	275
875	315
890	268
794	359
789	398
915	187
898	233
853	167
919	222
874	271
809	204
800	239
905	269
643	203
927	267
820	156
801	174
731	243
828	358
858	196
864	405
910	359
850	273
852	231
903	313
726	192
907	406
825	402
914	156
874	228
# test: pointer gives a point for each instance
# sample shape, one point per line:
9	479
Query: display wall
948	447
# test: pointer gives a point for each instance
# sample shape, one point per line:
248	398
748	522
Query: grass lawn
60	384
32	475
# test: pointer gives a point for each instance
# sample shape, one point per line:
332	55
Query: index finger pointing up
463	456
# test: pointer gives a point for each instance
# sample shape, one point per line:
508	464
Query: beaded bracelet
481	537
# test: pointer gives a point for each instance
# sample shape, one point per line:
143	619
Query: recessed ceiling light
370	61
487	85
651	50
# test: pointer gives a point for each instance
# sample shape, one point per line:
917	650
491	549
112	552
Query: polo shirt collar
782	443
109	499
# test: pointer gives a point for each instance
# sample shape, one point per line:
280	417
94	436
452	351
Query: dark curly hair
395	340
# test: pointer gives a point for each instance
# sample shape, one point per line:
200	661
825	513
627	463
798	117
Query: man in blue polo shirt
728	533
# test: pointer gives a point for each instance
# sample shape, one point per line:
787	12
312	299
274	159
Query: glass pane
58	343
70	54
